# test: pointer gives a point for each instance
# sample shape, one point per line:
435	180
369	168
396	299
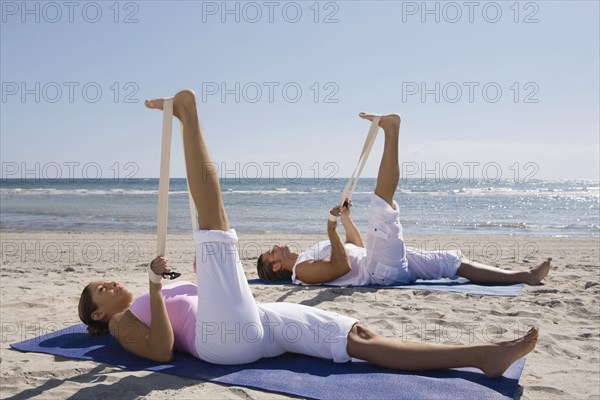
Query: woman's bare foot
386	121
501	355
181	102
537	273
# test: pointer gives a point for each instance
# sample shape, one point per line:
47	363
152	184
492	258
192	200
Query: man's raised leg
201	171
389	170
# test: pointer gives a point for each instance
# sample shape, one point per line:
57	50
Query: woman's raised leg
201	171
228	325
493	359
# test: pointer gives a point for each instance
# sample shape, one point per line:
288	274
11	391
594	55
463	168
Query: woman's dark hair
86	308
266	273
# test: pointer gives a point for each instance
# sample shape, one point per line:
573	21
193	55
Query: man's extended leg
389	170
478	272
386	252
201	172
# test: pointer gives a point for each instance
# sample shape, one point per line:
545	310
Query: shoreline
471	233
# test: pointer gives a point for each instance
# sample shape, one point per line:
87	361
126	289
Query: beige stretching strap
165	161
163	185
351	185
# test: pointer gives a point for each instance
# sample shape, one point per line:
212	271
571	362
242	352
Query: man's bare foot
501	355
156	104
537	273
387	121
182	101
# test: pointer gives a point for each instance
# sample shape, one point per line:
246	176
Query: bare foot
386	121
537	273
182	101
501	355
156	104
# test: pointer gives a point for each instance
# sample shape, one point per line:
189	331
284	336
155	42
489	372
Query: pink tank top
181	300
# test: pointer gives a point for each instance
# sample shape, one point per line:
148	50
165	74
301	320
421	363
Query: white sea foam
588	192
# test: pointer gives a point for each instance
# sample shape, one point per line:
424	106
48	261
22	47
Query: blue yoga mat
460	285
291	373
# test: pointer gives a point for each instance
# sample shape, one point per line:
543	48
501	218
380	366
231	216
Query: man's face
277	256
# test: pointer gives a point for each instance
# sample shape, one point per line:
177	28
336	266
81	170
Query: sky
485	89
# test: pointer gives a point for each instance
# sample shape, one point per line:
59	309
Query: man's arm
313	272
352	233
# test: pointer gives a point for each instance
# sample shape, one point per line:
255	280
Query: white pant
231	328
389	262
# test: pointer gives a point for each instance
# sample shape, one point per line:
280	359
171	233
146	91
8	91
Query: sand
43	273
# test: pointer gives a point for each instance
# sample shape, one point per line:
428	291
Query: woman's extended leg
389	170
201	172
478	272
493	359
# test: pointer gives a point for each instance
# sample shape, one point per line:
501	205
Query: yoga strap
351	185
163	185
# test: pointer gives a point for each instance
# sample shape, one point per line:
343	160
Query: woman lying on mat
218	320
385	260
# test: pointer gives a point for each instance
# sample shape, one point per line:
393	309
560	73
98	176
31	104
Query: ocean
535	207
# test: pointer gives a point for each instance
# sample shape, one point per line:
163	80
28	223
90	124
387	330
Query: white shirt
358	275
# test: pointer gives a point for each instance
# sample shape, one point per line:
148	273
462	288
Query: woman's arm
155	342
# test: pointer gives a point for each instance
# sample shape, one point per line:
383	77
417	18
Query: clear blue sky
372	55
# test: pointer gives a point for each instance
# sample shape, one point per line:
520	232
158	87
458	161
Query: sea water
536	207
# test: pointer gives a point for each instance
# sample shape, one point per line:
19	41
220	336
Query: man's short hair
266	273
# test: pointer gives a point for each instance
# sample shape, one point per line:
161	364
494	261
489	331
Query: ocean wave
279	191
142	192
591	192
588	192
84	192
71	192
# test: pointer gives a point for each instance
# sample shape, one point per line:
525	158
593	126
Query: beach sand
43	274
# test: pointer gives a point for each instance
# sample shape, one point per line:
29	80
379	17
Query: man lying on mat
384	260
217	319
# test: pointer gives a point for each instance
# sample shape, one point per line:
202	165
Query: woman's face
111	298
